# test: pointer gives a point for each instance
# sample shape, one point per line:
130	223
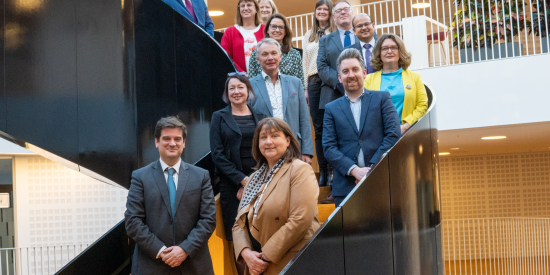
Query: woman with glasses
322	25
240	40
291	61
278	213
231	133
408	94
267	8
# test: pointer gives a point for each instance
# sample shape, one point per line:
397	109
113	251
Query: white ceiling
530	137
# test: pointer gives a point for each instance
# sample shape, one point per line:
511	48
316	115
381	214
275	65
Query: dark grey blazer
295	110
358	47
149	221
225	143
330	47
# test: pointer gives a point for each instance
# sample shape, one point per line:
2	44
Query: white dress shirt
275	95
343	36
355	107
175	177
372	43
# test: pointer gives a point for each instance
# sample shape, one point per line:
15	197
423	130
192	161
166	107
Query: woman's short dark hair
242	78
405	58
239	19
274	124
287	40
170	122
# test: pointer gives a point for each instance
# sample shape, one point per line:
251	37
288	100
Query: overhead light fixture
455	148
215	13
420	5
444	153
494	137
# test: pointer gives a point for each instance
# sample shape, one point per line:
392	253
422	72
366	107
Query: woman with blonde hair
278	211
408	94
239	41
323	24
267	8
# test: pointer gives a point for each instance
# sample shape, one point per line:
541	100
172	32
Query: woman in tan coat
278	211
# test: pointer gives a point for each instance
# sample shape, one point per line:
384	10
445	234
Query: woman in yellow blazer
391	60
278	211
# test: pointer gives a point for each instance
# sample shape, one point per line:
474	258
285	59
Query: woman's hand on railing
254	261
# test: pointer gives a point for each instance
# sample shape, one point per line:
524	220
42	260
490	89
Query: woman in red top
240	40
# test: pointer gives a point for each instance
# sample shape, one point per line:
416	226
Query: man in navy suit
365	31
358	128
195	11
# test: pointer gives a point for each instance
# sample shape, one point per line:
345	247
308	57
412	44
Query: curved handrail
389	222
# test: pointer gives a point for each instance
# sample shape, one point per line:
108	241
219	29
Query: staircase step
324	192
324	211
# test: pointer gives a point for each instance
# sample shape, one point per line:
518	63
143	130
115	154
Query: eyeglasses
346	10
366	25
236	73
392	48
275	27
246	6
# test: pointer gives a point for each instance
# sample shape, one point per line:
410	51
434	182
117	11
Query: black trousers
317	115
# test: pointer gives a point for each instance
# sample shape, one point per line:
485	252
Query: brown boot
328	200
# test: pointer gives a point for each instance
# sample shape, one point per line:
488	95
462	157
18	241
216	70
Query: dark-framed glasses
275	27
365	25
346	10
392	48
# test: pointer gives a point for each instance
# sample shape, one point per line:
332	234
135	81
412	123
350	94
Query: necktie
172	189
367	58
190	9
347	39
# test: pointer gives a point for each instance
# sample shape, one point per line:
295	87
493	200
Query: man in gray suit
170	211
282	96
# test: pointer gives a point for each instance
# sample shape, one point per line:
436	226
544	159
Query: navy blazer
149	222
201	12
225	143
379	131
295	110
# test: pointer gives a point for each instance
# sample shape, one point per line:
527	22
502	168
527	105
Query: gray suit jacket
330	47
295	110
149	221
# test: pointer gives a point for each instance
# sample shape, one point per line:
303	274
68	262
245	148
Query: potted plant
483	25
540	22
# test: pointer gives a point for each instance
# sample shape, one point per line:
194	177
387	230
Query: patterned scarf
321	32
256	182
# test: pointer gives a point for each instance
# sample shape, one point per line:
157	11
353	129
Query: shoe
328	200
322	177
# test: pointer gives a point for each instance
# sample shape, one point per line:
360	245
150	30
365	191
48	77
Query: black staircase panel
2	80
40	71
412	199
367	225
155	67
106	132
326	254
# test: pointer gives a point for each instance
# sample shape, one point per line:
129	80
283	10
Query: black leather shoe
322	177
328	200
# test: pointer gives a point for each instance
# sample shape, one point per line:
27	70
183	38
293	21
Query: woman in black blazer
231	133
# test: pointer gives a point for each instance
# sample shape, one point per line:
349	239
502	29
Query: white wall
56	205
490	93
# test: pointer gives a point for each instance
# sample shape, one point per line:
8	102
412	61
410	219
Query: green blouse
291	64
